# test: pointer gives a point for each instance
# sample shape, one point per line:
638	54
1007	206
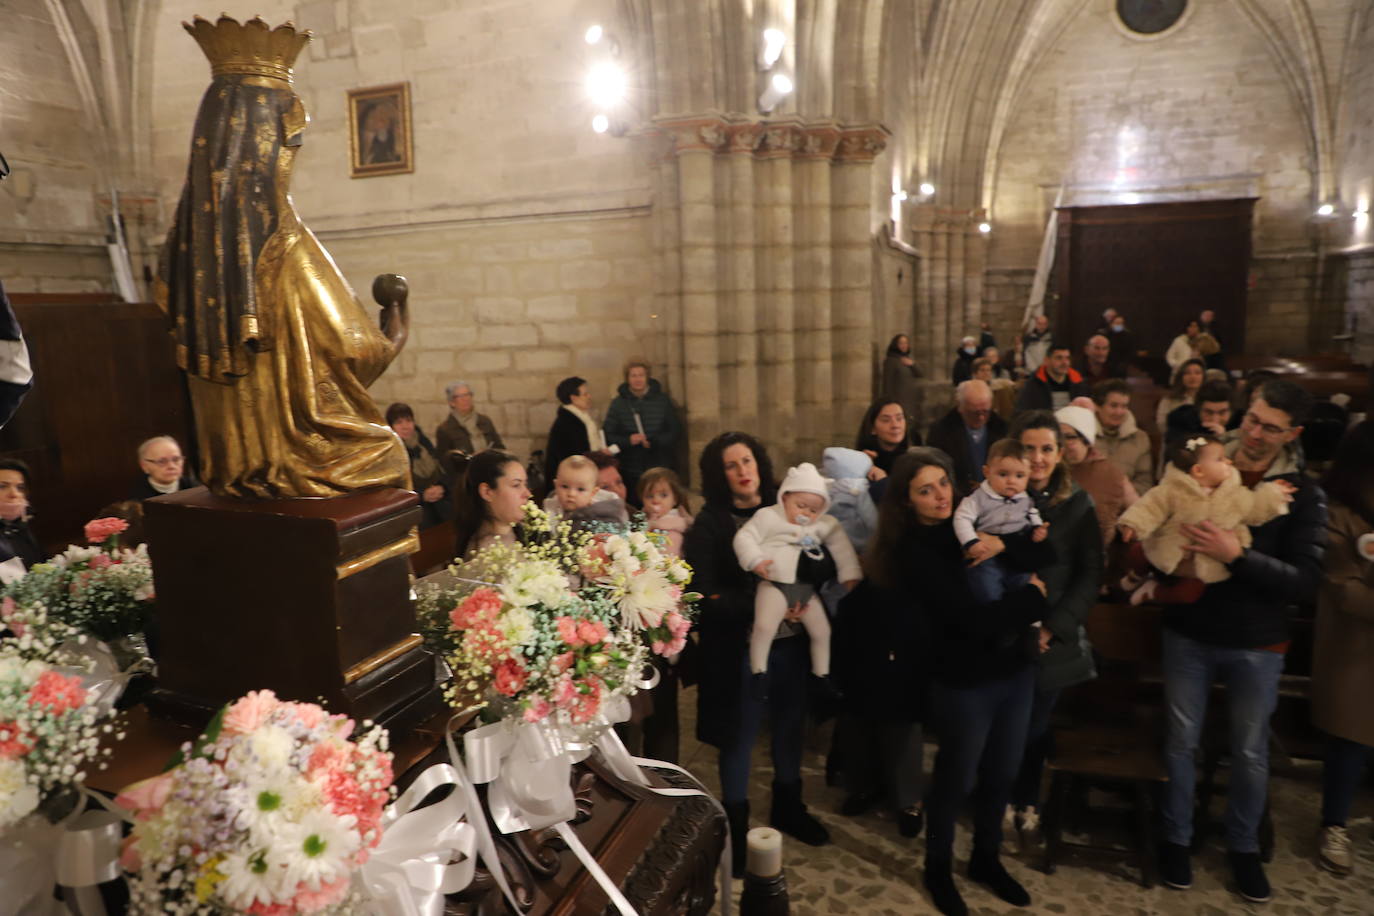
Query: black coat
878	654
969	643
1037	393
726	614
567	437
17	540
947	434
1282	568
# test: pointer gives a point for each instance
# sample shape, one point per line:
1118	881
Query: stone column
766	277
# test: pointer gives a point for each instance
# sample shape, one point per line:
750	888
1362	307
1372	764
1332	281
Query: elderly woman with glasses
164	469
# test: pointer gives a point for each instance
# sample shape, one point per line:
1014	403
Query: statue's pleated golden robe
278	351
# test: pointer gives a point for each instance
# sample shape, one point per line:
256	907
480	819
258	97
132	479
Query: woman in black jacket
980	659
574	431
884	435
1071	582
736	480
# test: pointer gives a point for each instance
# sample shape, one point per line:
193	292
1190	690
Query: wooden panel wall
1158	264
105	379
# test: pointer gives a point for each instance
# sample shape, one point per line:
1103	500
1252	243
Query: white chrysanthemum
269	804
252	876
271	746
320	849
517	625
537	582
18	796
648	596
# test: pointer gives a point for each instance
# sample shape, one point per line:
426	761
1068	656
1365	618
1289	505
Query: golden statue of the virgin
278	351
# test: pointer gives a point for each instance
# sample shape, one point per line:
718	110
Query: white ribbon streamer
412	868
78	853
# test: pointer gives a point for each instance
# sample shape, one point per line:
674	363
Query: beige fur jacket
1179	500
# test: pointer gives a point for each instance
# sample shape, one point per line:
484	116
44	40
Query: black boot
737	815
789	815
938	878
986	868
824	697
758	686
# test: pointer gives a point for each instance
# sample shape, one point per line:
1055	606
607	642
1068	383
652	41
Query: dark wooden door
1157	264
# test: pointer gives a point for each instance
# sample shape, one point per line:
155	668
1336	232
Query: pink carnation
100	529
146	797
13	741
101	561
248	713
562	662
308	901
538	710
510	677
591	632
564	692
58	692
587	704
308	714
481	607
567	631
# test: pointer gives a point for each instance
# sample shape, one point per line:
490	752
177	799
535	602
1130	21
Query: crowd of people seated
943	588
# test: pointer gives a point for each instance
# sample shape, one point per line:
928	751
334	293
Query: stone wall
512	307
51	233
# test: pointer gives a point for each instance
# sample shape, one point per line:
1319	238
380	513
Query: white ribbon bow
413	866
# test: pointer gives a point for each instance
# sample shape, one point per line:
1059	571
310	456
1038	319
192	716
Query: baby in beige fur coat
1199	485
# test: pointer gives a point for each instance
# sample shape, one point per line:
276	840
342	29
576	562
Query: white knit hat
804	478
1083	421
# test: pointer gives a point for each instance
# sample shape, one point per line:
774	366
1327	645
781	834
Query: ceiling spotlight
773	42
601	123
985	228
594	34
778	88
927	189
900	195
606	85
1325	210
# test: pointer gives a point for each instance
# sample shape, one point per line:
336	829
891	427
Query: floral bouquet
554	627
49	733
104	590
270	813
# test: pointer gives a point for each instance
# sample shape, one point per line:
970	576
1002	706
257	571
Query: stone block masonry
512	308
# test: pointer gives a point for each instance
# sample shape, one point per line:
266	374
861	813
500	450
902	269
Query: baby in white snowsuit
796	548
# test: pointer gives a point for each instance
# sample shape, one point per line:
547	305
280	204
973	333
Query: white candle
764	852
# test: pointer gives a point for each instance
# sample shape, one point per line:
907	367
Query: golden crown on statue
252	47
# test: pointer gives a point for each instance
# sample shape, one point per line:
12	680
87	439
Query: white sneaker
1334	850
1031	835
1011	840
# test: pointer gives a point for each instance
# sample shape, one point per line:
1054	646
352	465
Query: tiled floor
869	869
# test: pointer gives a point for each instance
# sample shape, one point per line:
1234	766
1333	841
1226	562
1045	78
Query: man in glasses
1237	634
164	469
966	432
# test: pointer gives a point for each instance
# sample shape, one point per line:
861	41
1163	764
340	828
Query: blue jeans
1251	677
982	732
991	579
1039	740
1341	772
789	667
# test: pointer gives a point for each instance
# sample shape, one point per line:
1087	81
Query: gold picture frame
379	135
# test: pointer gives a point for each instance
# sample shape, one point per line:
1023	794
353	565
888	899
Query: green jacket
659	420
1071	583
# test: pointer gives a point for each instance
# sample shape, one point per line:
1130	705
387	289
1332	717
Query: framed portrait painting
379	130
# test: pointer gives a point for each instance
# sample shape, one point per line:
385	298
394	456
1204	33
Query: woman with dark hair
979	659
491	502
879	654
573	432
1342	676
16	537
884	434
901	376
1188	378
1071	588
426	475
736	481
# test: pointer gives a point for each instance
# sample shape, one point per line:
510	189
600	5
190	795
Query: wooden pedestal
306	597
